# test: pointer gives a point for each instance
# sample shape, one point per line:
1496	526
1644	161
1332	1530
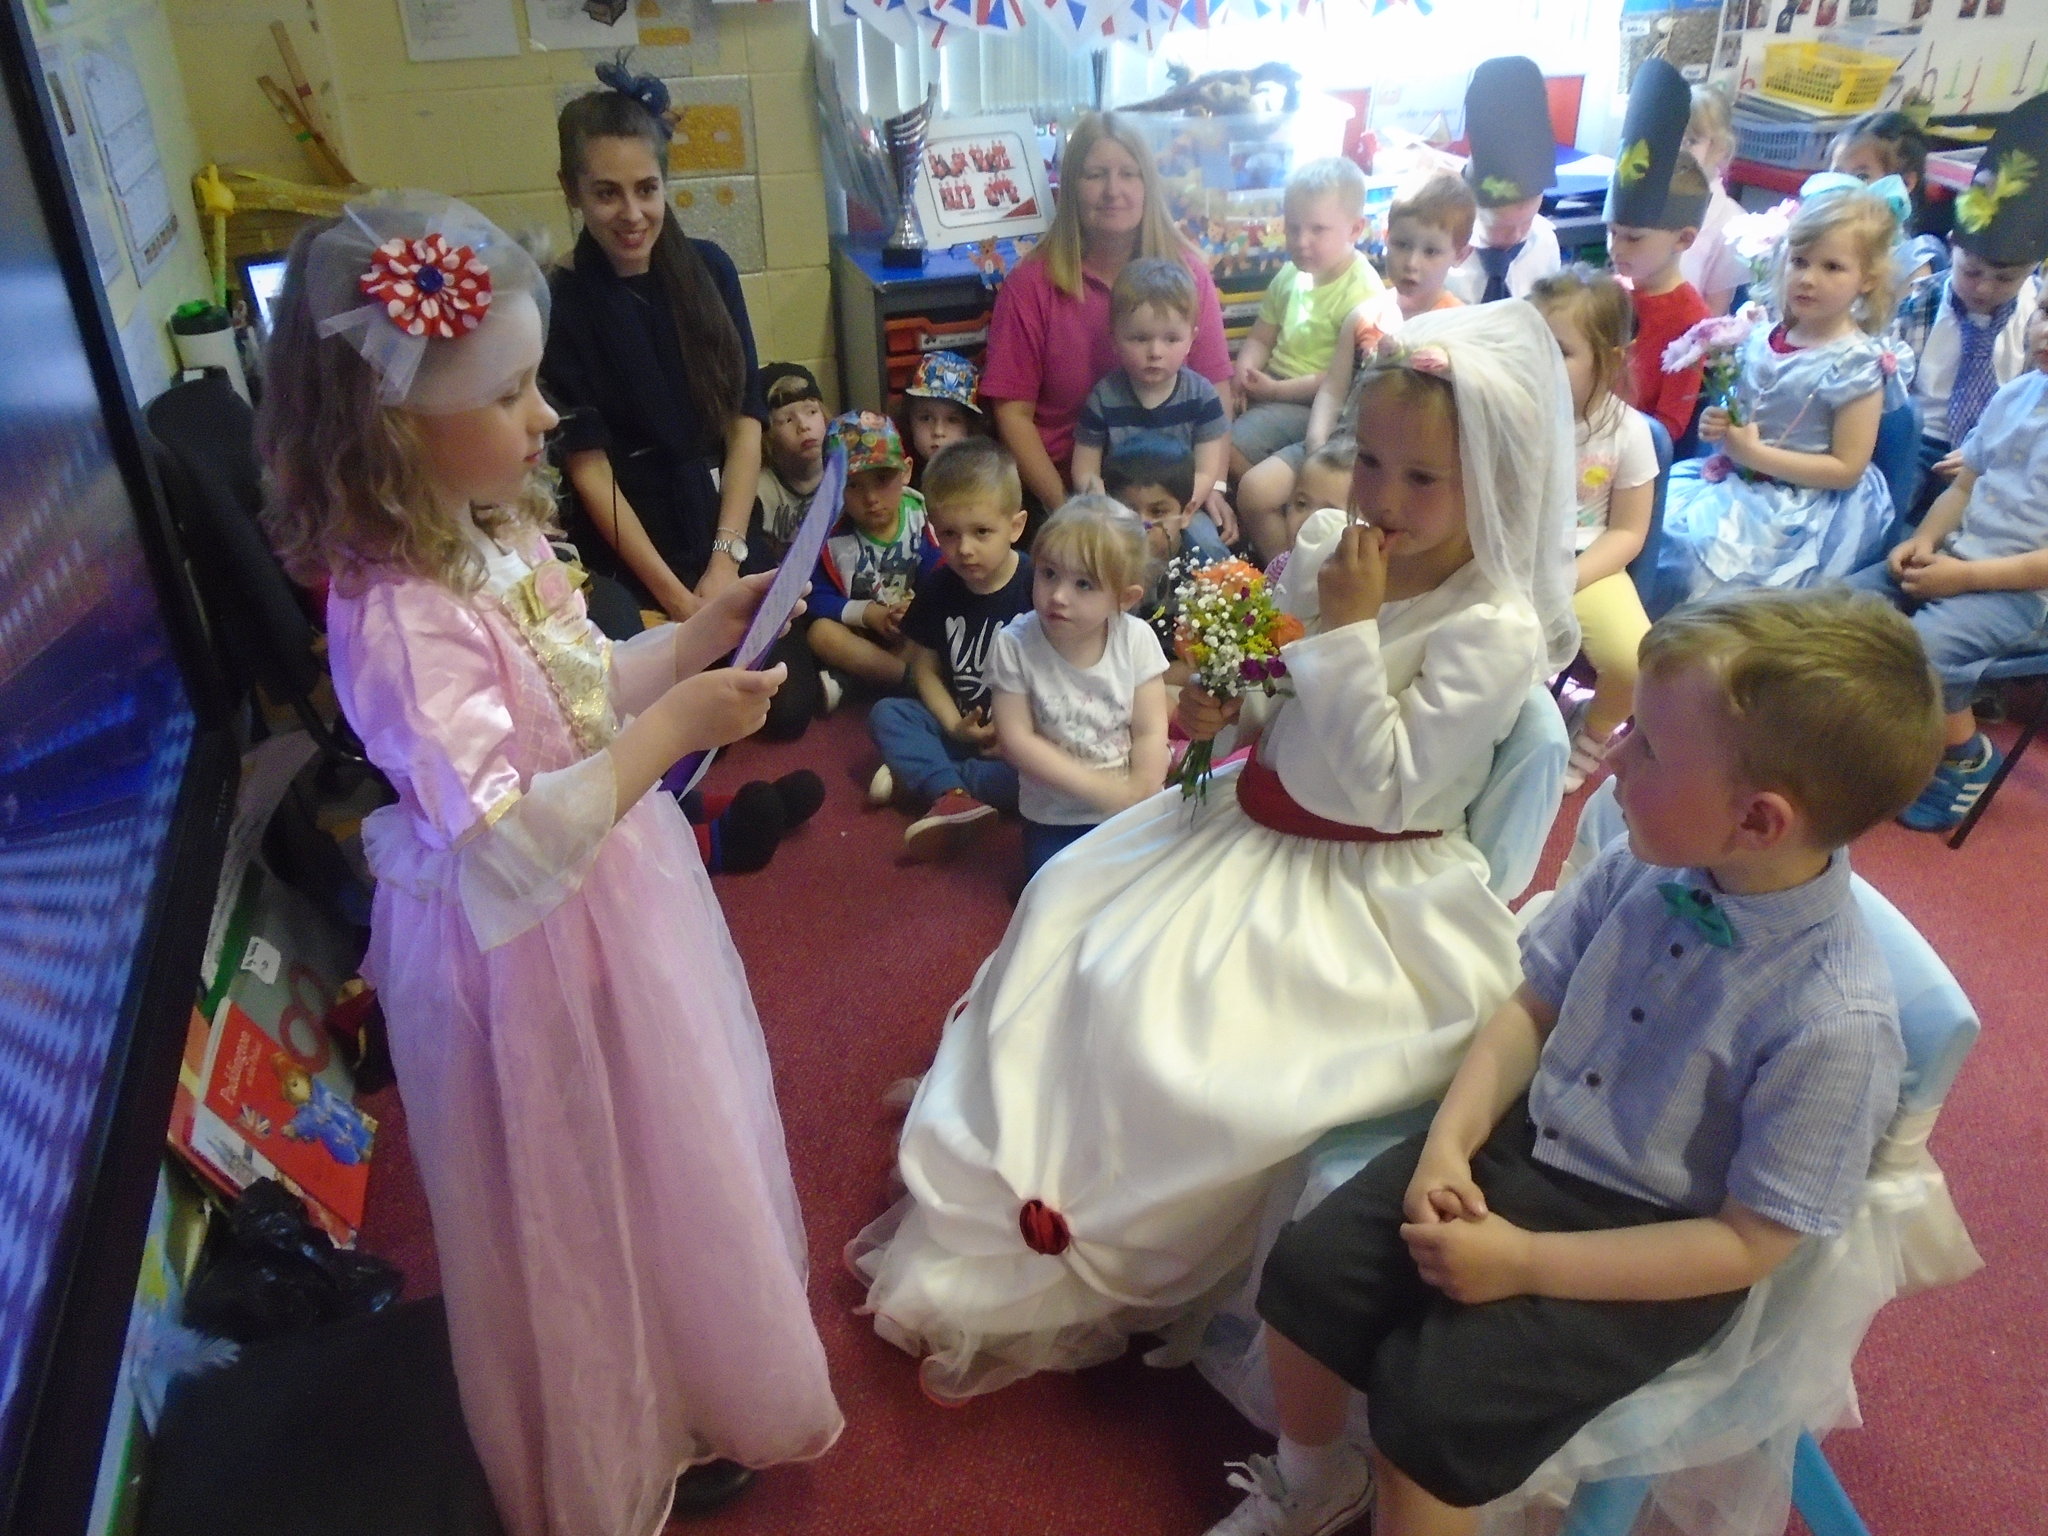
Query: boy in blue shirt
1974	575
1967	326
1689	1082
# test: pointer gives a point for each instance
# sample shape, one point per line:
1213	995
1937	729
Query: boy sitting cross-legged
871	564
1690	1080
940	747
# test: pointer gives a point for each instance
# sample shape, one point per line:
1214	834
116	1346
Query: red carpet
854	960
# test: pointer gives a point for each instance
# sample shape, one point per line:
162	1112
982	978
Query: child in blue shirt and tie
1689	1082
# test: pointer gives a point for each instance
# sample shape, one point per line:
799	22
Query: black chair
202	437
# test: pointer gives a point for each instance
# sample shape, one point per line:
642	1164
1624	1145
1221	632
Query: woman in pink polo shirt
1049	338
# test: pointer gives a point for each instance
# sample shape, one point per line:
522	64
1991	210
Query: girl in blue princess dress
1790	498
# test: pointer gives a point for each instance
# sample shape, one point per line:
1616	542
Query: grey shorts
1267	428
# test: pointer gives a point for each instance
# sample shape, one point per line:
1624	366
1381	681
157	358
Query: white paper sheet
84	162
437	30
121	120
565	24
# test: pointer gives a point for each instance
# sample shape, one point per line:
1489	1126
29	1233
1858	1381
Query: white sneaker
882	787
1271	1508
831	688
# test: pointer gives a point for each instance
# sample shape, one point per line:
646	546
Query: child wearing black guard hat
1655	204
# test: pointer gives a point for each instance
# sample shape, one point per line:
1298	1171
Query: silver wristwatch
730	544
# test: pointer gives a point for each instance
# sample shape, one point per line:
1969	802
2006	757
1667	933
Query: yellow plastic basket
1825	76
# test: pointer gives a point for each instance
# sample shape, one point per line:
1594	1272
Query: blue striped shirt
1192	414
1687	1074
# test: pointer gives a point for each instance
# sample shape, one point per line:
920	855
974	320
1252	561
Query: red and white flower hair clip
428	287
1424	359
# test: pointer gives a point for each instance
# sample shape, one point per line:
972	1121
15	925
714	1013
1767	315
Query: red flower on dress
428	287
1888	363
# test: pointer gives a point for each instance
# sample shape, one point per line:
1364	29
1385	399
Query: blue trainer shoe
1957	785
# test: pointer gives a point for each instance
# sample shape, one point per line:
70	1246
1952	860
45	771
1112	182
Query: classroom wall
142	314
746	168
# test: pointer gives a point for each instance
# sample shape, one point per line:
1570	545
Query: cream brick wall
483	129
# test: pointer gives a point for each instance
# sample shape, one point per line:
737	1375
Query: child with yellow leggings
1590	314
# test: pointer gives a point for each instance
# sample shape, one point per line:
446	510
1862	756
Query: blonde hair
1338	454
345	482
1332	177
1409	386
1441	200
1713	119
1869	221
1828	695
1598	307
1061	249
970	468
1152	282
1100	536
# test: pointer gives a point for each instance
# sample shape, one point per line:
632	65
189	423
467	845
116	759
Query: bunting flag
981	15
896	20
1085	24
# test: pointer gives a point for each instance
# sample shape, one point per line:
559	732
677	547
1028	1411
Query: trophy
904	134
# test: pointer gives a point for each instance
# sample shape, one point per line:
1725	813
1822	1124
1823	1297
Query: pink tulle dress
586	1086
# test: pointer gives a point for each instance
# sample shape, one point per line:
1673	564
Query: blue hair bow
1890	188
645	89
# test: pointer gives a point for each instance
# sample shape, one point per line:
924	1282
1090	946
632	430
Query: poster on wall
436	30
83	159
983	179
582	24
121	121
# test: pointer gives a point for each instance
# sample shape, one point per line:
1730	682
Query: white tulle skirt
1184	1001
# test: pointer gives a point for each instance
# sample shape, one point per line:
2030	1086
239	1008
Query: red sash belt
1262	796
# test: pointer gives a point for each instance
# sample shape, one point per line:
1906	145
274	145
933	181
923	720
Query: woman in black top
650	359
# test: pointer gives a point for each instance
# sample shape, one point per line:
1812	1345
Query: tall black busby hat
2003	217
1507	122
1640	195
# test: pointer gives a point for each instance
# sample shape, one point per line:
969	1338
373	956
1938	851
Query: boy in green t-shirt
1282	361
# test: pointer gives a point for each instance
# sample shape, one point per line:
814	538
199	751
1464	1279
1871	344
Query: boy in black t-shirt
939	746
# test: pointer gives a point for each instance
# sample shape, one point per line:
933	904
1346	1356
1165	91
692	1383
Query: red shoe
954	820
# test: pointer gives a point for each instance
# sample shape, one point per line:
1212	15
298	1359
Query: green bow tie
1695	907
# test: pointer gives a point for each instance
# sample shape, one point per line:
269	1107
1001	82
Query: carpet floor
855	957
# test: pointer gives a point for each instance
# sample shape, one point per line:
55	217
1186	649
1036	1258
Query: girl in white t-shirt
1590	315
1080	696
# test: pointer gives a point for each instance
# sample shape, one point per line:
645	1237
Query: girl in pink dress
585	1081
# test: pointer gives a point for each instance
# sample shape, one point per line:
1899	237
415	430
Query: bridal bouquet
1230	632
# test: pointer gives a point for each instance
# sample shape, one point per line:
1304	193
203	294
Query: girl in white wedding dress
1193	993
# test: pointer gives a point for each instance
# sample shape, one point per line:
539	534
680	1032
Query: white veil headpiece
438	300
1516	447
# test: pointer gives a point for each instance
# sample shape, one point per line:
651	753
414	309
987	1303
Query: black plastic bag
273	1272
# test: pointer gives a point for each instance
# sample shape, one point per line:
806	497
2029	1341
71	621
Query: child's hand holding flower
1203	716
1740	440
1713	424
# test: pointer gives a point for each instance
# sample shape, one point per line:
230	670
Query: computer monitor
262	281
117	767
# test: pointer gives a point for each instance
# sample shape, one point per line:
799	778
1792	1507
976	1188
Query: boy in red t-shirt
1654	207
